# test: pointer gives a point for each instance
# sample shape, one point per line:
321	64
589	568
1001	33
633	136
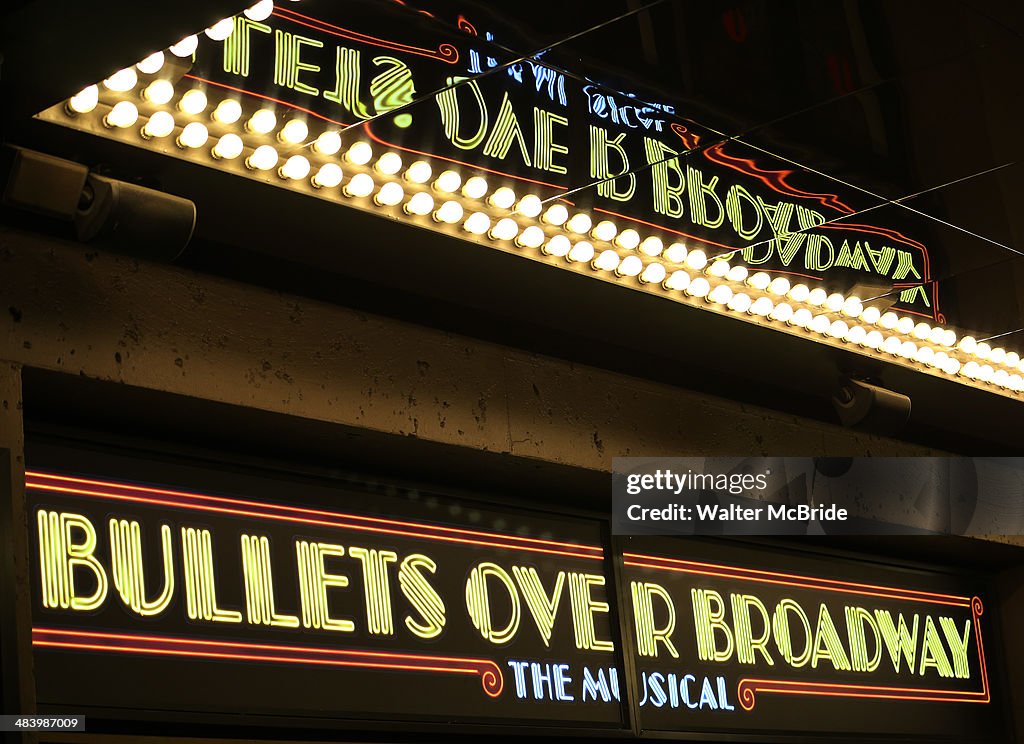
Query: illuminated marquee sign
753	644
385	108
166	599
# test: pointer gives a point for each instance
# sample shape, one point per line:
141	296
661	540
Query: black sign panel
238	594
735	639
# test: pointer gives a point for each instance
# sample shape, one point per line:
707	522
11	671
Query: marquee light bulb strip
155	104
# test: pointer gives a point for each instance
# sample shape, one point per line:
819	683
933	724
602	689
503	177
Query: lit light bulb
782	312
294	132
448	182
817	297
389	163
874	340
449	213
556	214
582	252
905	325
420	204
159	92
967	344
852	307
530	206
802	318
360	185
892	345
262	122
779	286
580	223
502	198
908	350
261	11
762	307
122	81
870	315
799	293
924	355
737	274
630	266
834	302
263	158
160	124
186	47
228	147
193	102
922	331
477	223
295	168
195	134
678	280
328	143
531	237
937	334
85	100
655	273
1016	383
699	287
123	114
970	370
950	339
1012	359
392	194
759	280
1001	377
604	230
998	355
360	153
856	335
505	229
475	188
982	350
939	360
952	366
720	295
985	373
820	324
696	259
718	268
628	239
675	253
418	172
607	261
228	111
152	64
652	246
328	176
889	320
221	29
838	329
740	302
559	245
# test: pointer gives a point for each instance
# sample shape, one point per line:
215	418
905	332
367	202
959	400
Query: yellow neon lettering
600	167
583	608
237	46
422	596
901	643
856	617
259	584
543	608
200	581
347	75
288	61
933	654
734	209
314	581
709	616
958	646
827	644
647	634
60	555
746	644
668	198
392	88
506	131
700	192
127	567
544	146
783	636
448	103
377	588
479	606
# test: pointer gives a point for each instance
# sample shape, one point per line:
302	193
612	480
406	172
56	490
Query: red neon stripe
278	101
300	510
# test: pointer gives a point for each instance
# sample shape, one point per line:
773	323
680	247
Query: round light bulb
261	11
630	266
195	134
122	81
871	315
820	324
737	274
392	194
580	223
448	182
604	230
1001	377
294	132
607	261
937	334
922	331
186	47
193	102
582	252
952	366
970	369
556	214
123	114
295	168
802	318
655	273
529	206
628	239
158	92
359	186
950	339
718	268
678	280
418	172
779	286
856	335
328	143
817	297
889	320
940	359
924	355
834	302
985	373
228	147
852	307
799	293
263	158
874	340
782	312
449	213
892	345
160	124
152	64
262	122
675	253
905	325
420	204
759	280
559	245
505	229
838	329
699	287
652	246
761	307
998	355
967	344
1012	359
908	350
696	259
86	100
477	223
502	198
360	153
228	111
740	302
475	188
328	176
982	350
720	295
531	237
221	29
389	163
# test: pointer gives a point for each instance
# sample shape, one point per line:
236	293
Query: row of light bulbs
551	228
